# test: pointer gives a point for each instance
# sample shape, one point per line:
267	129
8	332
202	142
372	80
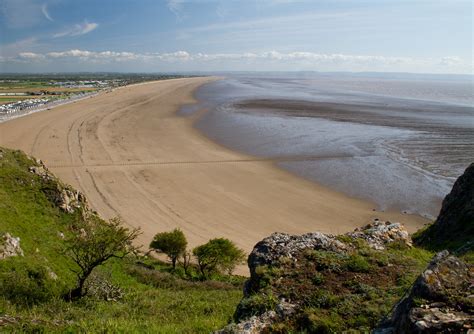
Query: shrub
26	283
326	260
173	244
218	255
358	264
256	304
92	243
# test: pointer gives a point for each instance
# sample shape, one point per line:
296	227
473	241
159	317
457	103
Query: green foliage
329	261
358	264
339	291
26	282
313	321
317	279
92	243
256	304
32	298
321	299
218	255
171	243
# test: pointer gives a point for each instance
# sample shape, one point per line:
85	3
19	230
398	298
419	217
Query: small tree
92	243
187	256
171	243
218	255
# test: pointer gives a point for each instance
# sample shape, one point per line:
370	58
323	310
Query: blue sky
430	36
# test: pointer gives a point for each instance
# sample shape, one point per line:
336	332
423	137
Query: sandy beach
133	157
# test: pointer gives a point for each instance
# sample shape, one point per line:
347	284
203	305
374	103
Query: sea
396	140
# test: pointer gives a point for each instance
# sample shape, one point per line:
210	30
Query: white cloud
78	29
44	10
269	60
450	61
31	56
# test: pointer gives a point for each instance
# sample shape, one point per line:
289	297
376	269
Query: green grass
156	300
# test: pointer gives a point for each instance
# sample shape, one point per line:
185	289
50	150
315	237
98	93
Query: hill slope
134	295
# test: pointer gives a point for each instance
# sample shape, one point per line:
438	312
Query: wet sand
134	157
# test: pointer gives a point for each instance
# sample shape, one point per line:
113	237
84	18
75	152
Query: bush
92	243
358	264
218	255
26	283
172	244
255	305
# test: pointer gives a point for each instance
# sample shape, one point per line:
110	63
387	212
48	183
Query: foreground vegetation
81	274
335	291
133	294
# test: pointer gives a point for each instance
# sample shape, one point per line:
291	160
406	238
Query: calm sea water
398	142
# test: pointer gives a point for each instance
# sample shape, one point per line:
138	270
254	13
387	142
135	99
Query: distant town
25	93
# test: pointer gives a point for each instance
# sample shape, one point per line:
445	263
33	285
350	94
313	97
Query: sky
417	36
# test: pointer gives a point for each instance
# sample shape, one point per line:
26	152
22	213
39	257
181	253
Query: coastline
133	156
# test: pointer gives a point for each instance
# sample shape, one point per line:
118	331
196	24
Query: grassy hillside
155	298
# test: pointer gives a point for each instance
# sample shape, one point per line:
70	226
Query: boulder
9	246
440	301
379	233
280	249
279	245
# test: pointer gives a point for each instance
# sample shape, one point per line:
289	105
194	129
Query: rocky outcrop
440	301
42	171
286	253
70	200
379	233
279	245
454	226
9	246
65	197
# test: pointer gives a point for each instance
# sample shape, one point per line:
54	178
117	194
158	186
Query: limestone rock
42	172
66	198
279	245
379	233
440	301
69	200
252	325
9	246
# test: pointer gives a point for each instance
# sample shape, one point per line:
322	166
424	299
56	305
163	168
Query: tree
171	243
218	255
187	256
93	242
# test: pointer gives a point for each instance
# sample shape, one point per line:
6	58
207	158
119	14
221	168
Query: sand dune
133	156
